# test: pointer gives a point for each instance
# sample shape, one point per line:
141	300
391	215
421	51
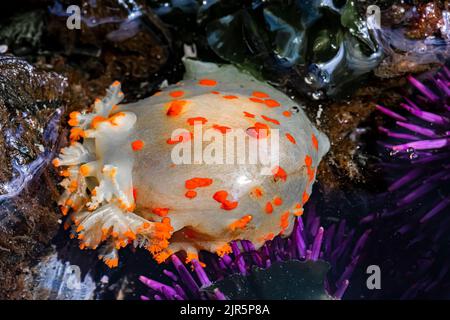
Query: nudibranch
122	186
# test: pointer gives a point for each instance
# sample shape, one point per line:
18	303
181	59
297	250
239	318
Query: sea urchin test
122	185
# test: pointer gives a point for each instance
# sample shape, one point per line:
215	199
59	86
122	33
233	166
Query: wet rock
414	37
29	118
29	99
351	126
23	31
54	278
427	20
118	40
315	47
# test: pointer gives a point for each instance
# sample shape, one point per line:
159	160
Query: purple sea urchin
420	148
308	242
413	245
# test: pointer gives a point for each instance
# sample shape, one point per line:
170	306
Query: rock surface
30	110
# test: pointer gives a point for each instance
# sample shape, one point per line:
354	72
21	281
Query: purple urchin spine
308	242
419	145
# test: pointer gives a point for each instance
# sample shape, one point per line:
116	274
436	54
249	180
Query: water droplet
393	153
324	76
310	79
317	95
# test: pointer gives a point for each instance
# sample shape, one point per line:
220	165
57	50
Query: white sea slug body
122	185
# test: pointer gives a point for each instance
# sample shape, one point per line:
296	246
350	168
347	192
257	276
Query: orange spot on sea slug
176	107
176	93
162	256
73	118
84	170
144	226
222	129
269	236
256	100
137	145
190	194
308	160
221	197
278	201
257	192
223	250
76	134
112	263
64	173
193	256
73	186
230	97
291	138
259	130
97	120
207	82
55	163
274	121
260	94
271	103
269	208
305	197
163	231
284	221
315	142
248	114
130	235
74	114
113	119
162	212
279	173
192	121
198	183
241	223
64	210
